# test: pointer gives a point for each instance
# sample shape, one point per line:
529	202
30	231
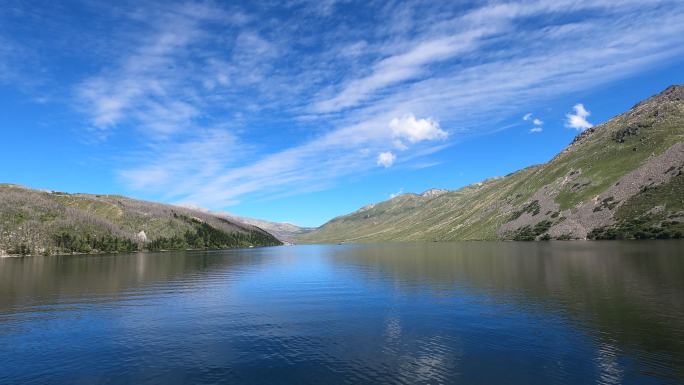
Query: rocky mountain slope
621	179
40	222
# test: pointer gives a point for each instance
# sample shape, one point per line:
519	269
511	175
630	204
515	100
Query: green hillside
40	222
621	179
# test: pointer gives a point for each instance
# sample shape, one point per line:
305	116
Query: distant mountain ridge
620	179
45	222
285	232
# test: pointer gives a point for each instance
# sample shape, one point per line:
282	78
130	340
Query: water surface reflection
477	312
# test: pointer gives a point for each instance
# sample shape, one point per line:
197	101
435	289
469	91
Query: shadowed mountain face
40	222
621	179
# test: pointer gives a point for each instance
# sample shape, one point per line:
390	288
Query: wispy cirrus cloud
316	102
402	67
183	165
143	88
483	70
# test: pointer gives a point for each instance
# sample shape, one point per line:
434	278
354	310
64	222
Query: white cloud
386	159
578	118
396	194
538	123
143	88
158	168
490	88
175	72
399	145
415	130
465	92
404	66
156	85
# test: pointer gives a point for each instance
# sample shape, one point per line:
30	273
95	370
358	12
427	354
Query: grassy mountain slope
621	179
39	222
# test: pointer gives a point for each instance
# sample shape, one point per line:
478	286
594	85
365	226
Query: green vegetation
207	237
668	196
655	213
531	208
576	191
607	203
37	222
639	228
530	233
78	243
622	179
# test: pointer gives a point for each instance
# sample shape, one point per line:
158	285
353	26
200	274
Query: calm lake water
477	312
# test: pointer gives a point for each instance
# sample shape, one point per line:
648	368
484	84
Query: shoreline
127	252
5	255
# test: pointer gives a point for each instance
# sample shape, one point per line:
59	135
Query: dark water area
471	313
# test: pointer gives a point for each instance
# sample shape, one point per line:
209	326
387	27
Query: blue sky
300	111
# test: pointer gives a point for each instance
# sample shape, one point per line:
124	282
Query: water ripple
405	314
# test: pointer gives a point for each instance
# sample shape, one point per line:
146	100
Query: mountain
44	222
621	179
285	232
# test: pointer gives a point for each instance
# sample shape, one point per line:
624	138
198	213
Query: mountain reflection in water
487	312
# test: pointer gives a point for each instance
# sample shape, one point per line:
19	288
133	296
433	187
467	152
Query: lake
474	312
